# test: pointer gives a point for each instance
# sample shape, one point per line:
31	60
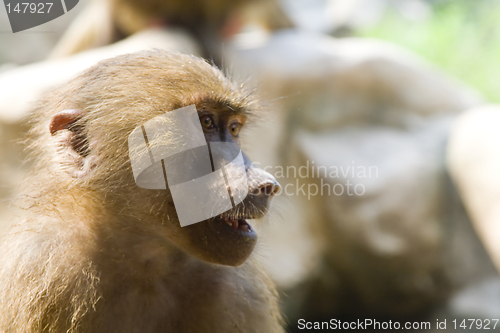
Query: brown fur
106	21
97	253
193	14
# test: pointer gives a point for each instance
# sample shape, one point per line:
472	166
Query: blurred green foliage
461	36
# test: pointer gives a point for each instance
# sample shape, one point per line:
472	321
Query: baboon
208	21
97	253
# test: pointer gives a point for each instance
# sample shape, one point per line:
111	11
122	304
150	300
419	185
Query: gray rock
397	247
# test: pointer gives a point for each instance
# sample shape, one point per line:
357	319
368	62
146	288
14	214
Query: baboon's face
227	238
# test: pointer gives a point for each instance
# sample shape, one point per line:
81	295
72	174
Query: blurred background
459	36
351	83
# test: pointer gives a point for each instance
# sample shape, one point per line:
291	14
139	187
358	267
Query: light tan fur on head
96	253
110	94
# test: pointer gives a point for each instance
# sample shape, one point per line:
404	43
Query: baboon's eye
235	128
207	122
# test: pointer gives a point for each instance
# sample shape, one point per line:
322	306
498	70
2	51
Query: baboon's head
100	152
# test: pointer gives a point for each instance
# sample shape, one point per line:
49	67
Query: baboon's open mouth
234	227
240	224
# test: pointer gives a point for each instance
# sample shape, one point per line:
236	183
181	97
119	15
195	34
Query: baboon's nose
267	190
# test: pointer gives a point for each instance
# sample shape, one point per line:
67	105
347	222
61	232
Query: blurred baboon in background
105	22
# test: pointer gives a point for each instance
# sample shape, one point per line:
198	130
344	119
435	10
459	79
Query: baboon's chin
221	240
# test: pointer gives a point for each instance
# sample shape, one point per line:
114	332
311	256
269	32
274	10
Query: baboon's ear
64	120
73	146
